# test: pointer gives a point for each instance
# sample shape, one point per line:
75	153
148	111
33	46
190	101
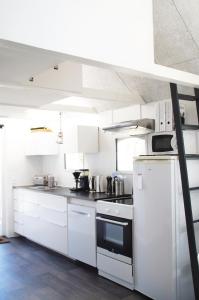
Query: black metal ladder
186	189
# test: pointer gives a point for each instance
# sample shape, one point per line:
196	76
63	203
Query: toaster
40	180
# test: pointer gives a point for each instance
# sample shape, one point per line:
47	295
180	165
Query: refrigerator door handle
140	182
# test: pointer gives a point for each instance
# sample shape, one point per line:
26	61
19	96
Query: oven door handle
112	221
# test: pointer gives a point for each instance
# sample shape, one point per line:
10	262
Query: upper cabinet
81	139
41	143
127	113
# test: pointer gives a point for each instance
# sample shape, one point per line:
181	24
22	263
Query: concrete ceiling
176	39
176	34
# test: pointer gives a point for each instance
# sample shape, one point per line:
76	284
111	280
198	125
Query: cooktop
120	200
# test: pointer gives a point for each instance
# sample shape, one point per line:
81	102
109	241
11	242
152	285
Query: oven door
114	234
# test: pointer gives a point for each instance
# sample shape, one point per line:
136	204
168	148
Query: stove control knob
117	212
107	210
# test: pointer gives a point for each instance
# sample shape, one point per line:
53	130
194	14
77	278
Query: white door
154	237
82	234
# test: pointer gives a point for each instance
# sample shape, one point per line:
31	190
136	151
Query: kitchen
80	133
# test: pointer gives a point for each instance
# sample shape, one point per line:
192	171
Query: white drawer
32	228
54	236
53	216
19	217
53	202
18	205
19	228
31	209
18	194
30	196
115	268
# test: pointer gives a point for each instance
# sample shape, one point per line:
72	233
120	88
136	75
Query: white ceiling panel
20	62
29	97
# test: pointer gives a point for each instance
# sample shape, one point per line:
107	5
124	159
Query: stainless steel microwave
165	143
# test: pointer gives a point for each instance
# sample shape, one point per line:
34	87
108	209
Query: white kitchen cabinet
81	139
41	218
127	113
53	235
82	234
31	216
53	222
18	211
41	143
164	116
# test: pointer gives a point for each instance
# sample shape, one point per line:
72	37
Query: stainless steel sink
43	188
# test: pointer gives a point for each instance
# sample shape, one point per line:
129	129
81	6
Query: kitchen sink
43	188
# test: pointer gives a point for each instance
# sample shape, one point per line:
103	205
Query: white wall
118	32
17	169
101	163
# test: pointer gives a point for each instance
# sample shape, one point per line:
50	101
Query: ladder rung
195	188
192	156
196	221
187	97
190	127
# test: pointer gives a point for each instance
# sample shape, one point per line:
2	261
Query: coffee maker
84	180
81	180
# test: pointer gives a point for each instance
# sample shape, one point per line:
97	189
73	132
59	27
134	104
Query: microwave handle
174	142
112	221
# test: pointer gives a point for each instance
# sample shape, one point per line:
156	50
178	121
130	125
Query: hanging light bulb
60	133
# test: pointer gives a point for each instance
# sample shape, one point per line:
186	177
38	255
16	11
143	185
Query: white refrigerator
161	257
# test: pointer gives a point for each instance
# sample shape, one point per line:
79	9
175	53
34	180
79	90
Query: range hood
134	127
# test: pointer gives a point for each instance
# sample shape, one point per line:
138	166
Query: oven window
114	234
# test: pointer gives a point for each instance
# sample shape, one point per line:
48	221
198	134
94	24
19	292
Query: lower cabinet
48	220
31	228
42	218
54	236
82	234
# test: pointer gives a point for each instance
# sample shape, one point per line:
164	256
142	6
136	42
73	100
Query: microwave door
162	143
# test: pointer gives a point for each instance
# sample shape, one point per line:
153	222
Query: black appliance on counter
81	180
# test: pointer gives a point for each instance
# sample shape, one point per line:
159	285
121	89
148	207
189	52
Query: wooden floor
31	272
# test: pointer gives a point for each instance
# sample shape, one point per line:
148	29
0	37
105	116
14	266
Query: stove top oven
114	230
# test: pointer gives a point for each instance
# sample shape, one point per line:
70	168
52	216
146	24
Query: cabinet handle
51	208
17	210
20	223
35	217
60	225
80	213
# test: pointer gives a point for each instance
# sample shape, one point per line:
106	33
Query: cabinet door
18	197
53	235
53	202
82	234
32	228
127	113
31	221
19	222
41	143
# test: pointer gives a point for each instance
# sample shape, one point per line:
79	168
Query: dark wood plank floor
31	272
